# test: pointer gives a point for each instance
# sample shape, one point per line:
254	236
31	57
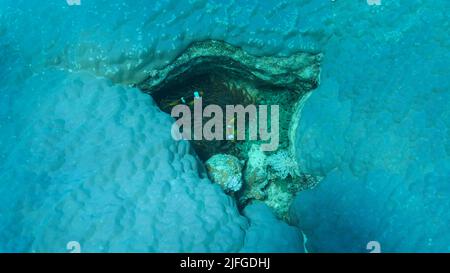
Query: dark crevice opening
221	80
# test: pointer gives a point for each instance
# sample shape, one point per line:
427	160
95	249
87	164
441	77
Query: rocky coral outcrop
297	72
225	170
261	80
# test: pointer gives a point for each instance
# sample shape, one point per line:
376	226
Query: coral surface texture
88	153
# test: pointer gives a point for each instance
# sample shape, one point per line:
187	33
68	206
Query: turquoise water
86	157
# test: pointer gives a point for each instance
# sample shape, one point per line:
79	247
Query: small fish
174	103
196	95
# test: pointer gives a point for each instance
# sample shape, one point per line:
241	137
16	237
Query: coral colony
224	126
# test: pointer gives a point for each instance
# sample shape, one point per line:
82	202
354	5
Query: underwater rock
282	164
297	72
255	175
379	148
279	198
118	184
225	170
274	180
267	233
227	75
